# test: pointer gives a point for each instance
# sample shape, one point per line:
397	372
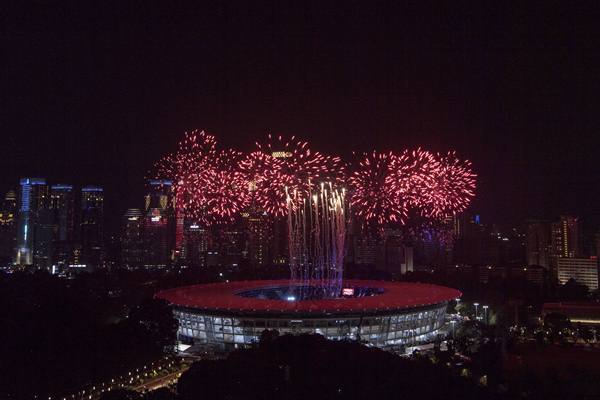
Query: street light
452	322
476	305
485	314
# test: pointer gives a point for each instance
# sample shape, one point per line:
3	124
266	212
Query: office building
8	227
537	243
132	238
583	270
91	228
179	231
260	236
196	245
565	237
159	224
62	210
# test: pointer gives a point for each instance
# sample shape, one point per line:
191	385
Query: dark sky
96	93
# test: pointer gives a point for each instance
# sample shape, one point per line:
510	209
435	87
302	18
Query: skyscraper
260	234
159	224
8	227
33	195
131	239
196	243
91	227
62	206
537	243
565	237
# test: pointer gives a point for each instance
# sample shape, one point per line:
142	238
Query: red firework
412	175
282	164
377	198
265	182
214	186
208	185
450	187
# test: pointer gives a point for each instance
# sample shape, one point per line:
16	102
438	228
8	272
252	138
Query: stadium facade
390	315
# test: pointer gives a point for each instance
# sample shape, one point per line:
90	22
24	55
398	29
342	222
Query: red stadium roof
223	297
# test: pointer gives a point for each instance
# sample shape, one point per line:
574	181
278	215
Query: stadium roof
224	297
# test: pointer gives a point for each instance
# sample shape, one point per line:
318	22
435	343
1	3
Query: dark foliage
58	335
308	366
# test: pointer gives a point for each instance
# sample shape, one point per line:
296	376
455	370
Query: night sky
97	93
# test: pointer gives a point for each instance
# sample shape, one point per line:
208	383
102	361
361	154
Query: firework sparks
376	195
265	182
282	163
208	185
213	186
450	187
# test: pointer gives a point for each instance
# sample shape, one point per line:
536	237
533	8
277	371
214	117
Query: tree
310	366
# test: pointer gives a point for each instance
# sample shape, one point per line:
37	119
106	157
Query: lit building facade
196	244
227	331
260	237
33	195
389	315
583	270
159	224
8	227
565	237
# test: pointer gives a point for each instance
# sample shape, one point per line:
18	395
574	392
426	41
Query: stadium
226	316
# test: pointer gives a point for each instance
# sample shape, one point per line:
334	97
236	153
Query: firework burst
265	182
377	198
208	185
213	186
282	163
450	187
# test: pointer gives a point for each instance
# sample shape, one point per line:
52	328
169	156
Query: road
161	381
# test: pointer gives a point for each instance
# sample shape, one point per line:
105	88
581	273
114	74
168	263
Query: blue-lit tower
33	195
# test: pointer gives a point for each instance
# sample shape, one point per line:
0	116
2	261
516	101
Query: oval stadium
391	315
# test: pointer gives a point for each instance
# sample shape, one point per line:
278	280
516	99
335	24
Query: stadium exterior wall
224	332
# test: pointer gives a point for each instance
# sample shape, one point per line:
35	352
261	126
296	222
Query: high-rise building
91	227
565	237
196	244
537	243
159	224
367	250
132	239
260	234
583	270
232	246
33	195
62	206
179	232
472	244
8	227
